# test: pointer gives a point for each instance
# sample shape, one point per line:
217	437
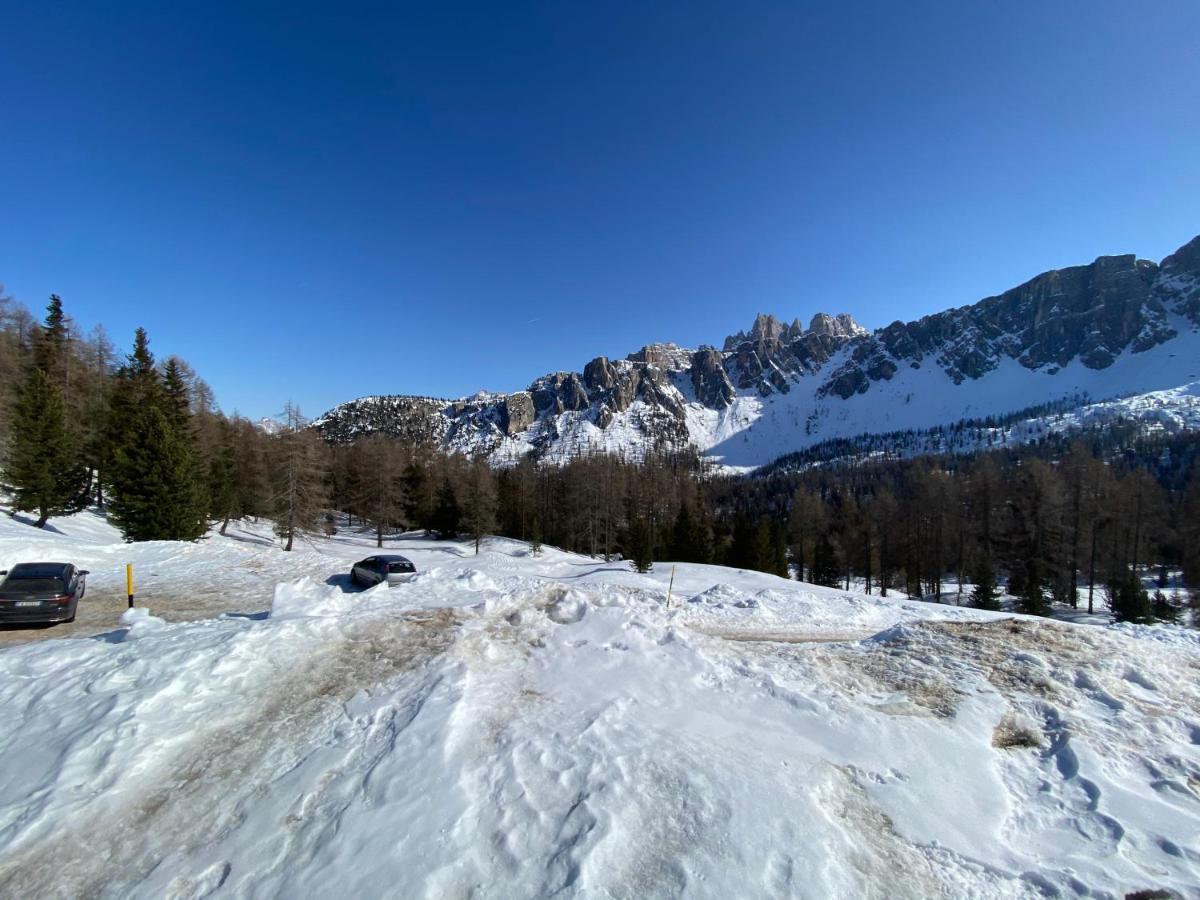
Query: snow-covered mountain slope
1171	412
1109	329
513	726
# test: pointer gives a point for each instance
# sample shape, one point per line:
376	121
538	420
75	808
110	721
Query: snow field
506	726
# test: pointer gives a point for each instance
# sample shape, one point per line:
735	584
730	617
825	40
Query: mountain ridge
1104	328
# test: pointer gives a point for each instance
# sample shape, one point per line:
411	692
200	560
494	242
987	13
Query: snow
509	725
755	430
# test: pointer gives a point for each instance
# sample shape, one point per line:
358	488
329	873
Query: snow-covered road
506	726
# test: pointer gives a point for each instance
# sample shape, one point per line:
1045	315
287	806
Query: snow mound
534	727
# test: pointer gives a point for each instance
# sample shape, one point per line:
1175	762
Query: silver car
376	569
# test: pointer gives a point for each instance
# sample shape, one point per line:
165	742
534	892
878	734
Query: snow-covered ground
510	726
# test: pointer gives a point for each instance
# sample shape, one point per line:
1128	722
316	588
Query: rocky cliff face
782	386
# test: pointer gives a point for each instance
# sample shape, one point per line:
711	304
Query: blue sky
314	202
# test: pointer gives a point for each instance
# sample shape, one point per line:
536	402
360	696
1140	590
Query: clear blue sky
321	201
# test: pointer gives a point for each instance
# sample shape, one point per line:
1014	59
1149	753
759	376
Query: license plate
29	603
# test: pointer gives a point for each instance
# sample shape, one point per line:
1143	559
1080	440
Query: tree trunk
224	525
42	519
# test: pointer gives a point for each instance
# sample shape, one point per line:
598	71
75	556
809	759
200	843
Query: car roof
38	570
391	557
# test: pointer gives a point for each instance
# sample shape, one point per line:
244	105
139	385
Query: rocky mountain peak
841	325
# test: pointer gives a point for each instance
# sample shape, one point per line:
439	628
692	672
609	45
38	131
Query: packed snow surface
507	725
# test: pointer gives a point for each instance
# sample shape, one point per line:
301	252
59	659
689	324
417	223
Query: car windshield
35	586
401	567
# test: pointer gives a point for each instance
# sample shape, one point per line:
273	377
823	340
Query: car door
369	571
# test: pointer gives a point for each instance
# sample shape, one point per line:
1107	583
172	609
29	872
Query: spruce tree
153	495
418	497
639	545
685	537
986	593
535	537
447	515
221	481
1128	599
155	490
825	570
43	470
740	554
50	351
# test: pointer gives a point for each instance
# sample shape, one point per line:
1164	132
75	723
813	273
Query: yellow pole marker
129	582
670	587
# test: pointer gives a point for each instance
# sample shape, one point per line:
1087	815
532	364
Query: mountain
1118	326
269	425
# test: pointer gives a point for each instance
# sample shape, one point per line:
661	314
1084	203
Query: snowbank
505	726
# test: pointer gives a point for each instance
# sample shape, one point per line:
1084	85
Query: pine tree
418	496
153	495
741	552
50	351
639	545
690	538
825	569
155	489
986	593
43	470
221	479
535	537
1128	599
447	515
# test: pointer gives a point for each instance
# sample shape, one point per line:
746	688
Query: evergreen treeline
1048	522
137	437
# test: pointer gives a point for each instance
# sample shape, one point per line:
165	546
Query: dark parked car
44	592
377	569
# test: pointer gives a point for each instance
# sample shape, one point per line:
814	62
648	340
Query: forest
1109	520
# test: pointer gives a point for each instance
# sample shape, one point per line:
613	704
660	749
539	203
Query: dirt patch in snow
188	796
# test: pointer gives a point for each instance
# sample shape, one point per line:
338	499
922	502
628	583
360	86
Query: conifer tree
479	509
155	493
418	495
221	479
1128	599
690	539
825	569
379	483
299	479
447	515
639	545
153	496
741	553
535	537
50	351
986	593
43	469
